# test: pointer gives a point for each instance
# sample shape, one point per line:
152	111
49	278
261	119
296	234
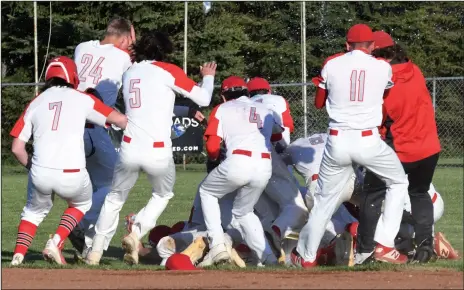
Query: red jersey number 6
255	118
135	101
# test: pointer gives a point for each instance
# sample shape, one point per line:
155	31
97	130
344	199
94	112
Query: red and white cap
382	39
360	33
63	67
258	84
233	83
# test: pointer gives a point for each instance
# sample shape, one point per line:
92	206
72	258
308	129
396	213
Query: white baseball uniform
355	82
56	120
149	89
100	67
282	188
281	107
246	128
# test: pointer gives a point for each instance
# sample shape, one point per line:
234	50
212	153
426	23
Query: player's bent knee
166	247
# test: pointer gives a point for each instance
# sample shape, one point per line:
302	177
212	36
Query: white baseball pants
249	176
71	185
365	148
283	190
159	166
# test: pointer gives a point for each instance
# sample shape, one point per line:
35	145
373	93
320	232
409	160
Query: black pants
420	174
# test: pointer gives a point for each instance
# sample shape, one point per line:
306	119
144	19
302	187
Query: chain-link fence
446	92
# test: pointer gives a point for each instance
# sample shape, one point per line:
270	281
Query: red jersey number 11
357	85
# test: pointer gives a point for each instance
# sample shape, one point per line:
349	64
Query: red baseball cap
179	261
382	39
360	33
258	84
157	233
233	82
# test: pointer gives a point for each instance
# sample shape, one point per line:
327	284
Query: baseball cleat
53	254
17	259
344	251
219	254
298	261
389	255
130	244
93	258
443	248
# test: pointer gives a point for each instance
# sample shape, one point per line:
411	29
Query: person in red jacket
409	127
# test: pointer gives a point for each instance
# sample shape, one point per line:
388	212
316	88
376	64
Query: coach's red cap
382	39
359	33
179	262
258	84
233	82
157	233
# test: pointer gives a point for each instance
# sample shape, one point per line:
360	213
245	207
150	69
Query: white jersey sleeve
185	86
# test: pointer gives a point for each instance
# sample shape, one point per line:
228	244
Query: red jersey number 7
255	118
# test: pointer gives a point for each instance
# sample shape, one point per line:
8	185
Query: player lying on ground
56	119
147	142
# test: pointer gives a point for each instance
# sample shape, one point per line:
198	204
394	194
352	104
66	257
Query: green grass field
448	181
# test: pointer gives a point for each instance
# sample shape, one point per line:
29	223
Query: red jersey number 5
255	118
134	101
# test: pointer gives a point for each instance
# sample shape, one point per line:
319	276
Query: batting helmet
63	67
256	84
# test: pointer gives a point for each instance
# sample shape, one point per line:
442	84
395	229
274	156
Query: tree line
244	38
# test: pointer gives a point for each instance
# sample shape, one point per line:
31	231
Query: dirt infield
111	279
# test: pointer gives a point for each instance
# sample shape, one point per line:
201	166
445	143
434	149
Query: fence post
434	92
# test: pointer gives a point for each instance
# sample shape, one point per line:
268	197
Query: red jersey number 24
357	85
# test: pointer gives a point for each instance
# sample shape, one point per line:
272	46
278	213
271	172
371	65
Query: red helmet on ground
256	84
63	67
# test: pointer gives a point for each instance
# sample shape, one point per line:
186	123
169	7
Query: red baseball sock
26	233
69	220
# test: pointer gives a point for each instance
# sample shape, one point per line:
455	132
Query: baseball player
101	64
281	188
56	119
354	84
149	89
410	129
246	128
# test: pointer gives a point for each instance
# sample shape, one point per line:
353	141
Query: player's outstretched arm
117	119
19	151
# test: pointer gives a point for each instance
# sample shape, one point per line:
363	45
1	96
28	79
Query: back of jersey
149	104
56	119
101	67
307	153
245	125
356	82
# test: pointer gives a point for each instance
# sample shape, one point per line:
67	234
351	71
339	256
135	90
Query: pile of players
249	208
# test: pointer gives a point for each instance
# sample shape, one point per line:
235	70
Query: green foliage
244	38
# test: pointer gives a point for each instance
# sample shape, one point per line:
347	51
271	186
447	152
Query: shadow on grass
32	255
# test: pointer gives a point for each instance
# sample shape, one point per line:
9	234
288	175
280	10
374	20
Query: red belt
314	177
434	197
248	153
71	170
155	144
363	133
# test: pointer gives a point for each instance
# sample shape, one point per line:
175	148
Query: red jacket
409	115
